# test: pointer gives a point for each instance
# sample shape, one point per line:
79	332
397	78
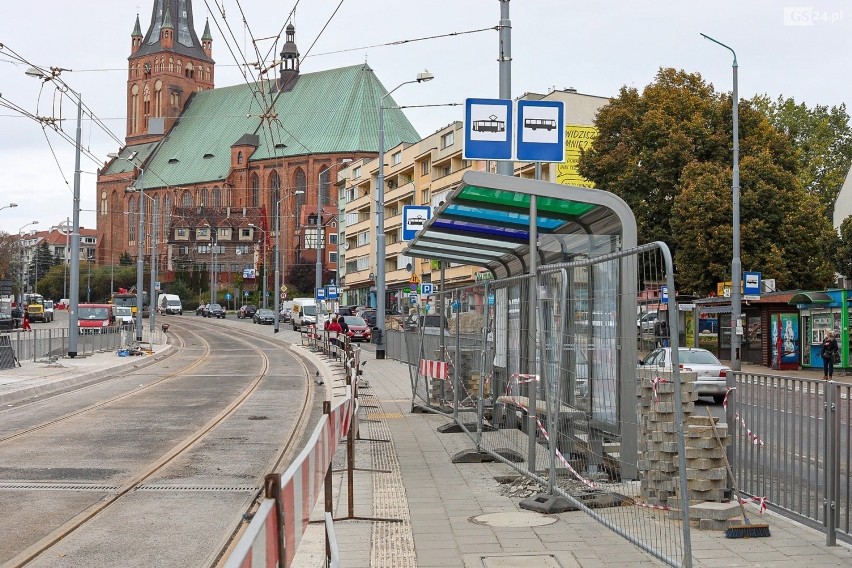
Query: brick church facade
215	168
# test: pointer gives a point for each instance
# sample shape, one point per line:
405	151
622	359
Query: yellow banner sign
577	138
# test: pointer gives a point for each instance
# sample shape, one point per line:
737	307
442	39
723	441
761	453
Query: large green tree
667	152
822	138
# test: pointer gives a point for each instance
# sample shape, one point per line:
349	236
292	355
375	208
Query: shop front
819	313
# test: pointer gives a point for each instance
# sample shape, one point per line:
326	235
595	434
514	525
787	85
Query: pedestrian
334	331
829	352
26	326
341	320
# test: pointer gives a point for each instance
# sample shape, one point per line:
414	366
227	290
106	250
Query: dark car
349	310
201	310
369	317
18	316
264	316
247	311
286	315
7	322
215	311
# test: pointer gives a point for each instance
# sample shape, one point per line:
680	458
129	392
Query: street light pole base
380	353
72	354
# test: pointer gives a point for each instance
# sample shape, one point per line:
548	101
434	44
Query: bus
128	299
535	123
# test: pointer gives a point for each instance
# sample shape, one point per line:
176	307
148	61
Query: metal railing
52	343
792	447
540	371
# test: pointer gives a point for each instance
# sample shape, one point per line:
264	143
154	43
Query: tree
844	248
823	139
41	262
667	153
9	256
125	260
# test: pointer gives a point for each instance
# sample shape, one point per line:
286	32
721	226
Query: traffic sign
284	289
245	293
413	298
751	285
414	217
426	289
228	296
414	278
664	294
541	131
488	129
320	295
331	292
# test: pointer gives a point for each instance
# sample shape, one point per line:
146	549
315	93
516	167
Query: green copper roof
137	29
206	35
326	112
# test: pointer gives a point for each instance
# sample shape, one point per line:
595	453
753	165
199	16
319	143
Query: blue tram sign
488	129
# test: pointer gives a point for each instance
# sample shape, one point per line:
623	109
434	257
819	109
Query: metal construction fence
541	372
51	343
794	448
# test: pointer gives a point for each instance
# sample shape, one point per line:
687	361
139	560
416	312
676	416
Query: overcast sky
595	47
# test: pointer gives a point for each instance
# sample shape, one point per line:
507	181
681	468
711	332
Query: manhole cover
513	519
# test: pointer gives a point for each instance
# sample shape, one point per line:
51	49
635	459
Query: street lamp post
23	262
380	218
736	265
139	186
318	271
278	270
7	206
73	332
253	226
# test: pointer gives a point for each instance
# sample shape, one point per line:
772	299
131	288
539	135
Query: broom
747	529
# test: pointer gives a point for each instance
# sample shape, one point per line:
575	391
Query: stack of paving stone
706	475
658	451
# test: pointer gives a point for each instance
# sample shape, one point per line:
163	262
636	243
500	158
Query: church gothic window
132	221
274	189
217	197
255	190
186	200
301	192
202	197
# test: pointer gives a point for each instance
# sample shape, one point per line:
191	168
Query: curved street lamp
7	206
380	218
277	281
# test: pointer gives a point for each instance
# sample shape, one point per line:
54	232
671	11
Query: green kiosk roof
485	222
810	298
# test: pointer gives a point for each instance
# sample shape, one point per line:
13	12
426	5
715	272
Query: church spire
177	15
288	72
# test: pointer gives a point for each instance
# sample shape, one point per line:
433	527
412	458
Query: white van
304	312
169	304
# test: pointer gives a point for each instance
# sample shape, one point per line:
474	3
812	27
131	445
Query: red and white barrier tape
752	436
435	369
516	378
761	502
585	481
655	507
658	381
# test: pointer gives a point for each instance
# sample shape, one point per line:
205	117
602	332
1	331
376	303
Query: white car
712	374
48	310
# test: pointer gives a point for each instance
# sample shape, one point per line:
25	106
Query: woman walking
829	350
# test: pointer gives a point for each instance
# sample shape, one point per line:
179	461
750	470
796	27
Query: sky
790	48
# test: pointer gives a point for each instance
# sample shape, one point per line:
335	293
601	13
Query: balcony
398	193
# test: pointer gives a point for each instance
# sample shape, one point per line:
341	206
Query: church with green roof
209	169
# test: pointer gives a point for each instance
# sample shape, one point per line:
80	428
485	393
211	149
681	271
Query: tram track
137	481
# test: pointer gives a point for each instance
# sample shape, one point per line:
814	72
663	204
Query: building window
396	158
425	168
183	250
332	238
186	200
104	209
356	172
448	139
242	249
332	257
202	233
255	191
224	233
181	233
203	249
245	233
217	197
202	197
239	157
274	189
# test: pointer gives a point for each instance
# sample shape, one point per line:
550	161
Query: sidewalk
451	515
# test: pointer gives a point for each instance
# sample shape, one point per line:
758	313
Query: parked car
369	316
246	311
264	316
358	328
124	315
7	322
201	310
286	315
215	311
712	374
647	321
349	310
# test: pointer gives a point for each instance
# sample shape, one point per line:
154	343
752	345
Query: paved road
63	456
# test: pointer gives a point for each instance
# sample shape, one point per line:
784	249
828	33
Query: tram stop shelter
516	227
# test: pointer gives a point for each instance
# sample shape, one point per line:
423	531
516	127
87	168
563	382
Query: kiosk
819	313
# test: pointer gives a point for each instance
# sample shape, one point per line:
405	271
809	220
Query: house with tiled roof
271	147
